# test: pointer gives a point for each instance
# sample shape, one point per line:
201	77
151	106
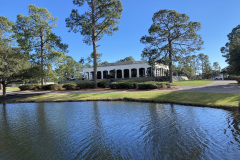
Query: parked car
217	78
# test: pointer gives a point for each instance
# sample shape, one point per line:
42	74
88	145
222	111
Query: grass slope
206	99
13	89
192	83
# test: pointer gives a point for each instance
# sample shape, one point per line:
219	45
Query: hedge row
153	85
102	84
123	85
37	87
29	87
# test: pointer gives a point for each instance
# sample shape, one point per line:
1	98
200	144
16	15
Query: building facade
127	70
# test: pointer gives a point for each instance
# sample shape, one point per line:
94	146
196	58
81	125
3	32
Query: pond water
117	130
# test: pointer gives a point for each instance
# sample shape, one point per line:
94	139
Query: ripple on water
117	130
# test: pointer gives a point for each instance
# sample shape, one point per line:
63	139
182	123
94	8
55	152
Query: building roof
123	63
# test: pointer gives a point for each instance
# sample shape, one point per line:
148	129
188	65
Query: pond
117	130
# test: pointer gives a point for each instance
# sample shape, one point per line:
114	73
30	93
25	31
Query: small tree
127	59
67	68
170	36
34	35
14	67
101	18
216	69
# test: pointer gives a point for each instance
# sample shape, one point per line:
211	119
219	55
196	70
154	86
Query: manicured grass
194	98
13	89
192	82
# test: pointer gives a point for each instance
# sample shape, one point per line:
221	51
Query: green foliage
153	85
231	51
53	87
127	59
100	18
70	86
35	37
205	66
146	86
163	78
29	87
5	30
104	84
106	15
170	36
123	85
238	79
85	85
68	67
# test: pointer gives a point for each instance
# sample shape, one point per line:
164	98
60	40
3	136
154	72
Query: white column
137	72
101	74
154	73
108	72
145	72
122	73
115	74
130	73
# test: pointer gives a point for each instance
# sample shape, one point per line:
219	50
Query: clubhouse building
127	70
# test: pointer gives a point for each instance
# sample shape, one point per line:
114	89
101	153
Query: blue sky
218	18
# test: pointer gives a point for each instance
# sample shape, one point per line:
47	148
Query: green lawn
192	82
209	99
13	89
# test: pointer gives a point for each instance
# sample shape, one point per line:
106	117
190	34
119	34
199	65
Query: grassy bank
13	89
192	82
191	98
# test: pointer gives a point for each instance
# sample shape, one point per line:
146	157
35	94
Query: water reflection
117	130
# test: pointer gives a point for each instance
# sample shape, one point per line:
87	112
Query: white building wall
160	67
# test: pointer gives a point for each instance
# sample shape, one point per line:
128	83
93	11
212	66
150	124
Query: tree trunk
42	62
170	63
94	44
4	88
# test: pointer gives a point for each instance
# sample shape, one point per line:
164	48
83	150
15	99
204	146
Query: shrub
123	85
52	87
147	86
161	85
238	79
230	78
86	85
168	85
24	87
29	87
70	85
103	84
163	78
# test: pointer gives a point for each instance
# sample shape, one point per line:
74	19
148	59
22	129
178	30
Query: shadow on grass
16	97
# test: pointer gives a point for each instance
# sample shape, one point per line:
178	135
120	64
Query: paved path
216	87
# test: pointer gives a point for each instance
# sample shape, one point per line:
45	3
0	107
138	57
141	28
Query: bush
163	78
86	85
230	78
29	87
103	84
24	87
161	85
123	85
238	79
147	86
70	86
52	87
